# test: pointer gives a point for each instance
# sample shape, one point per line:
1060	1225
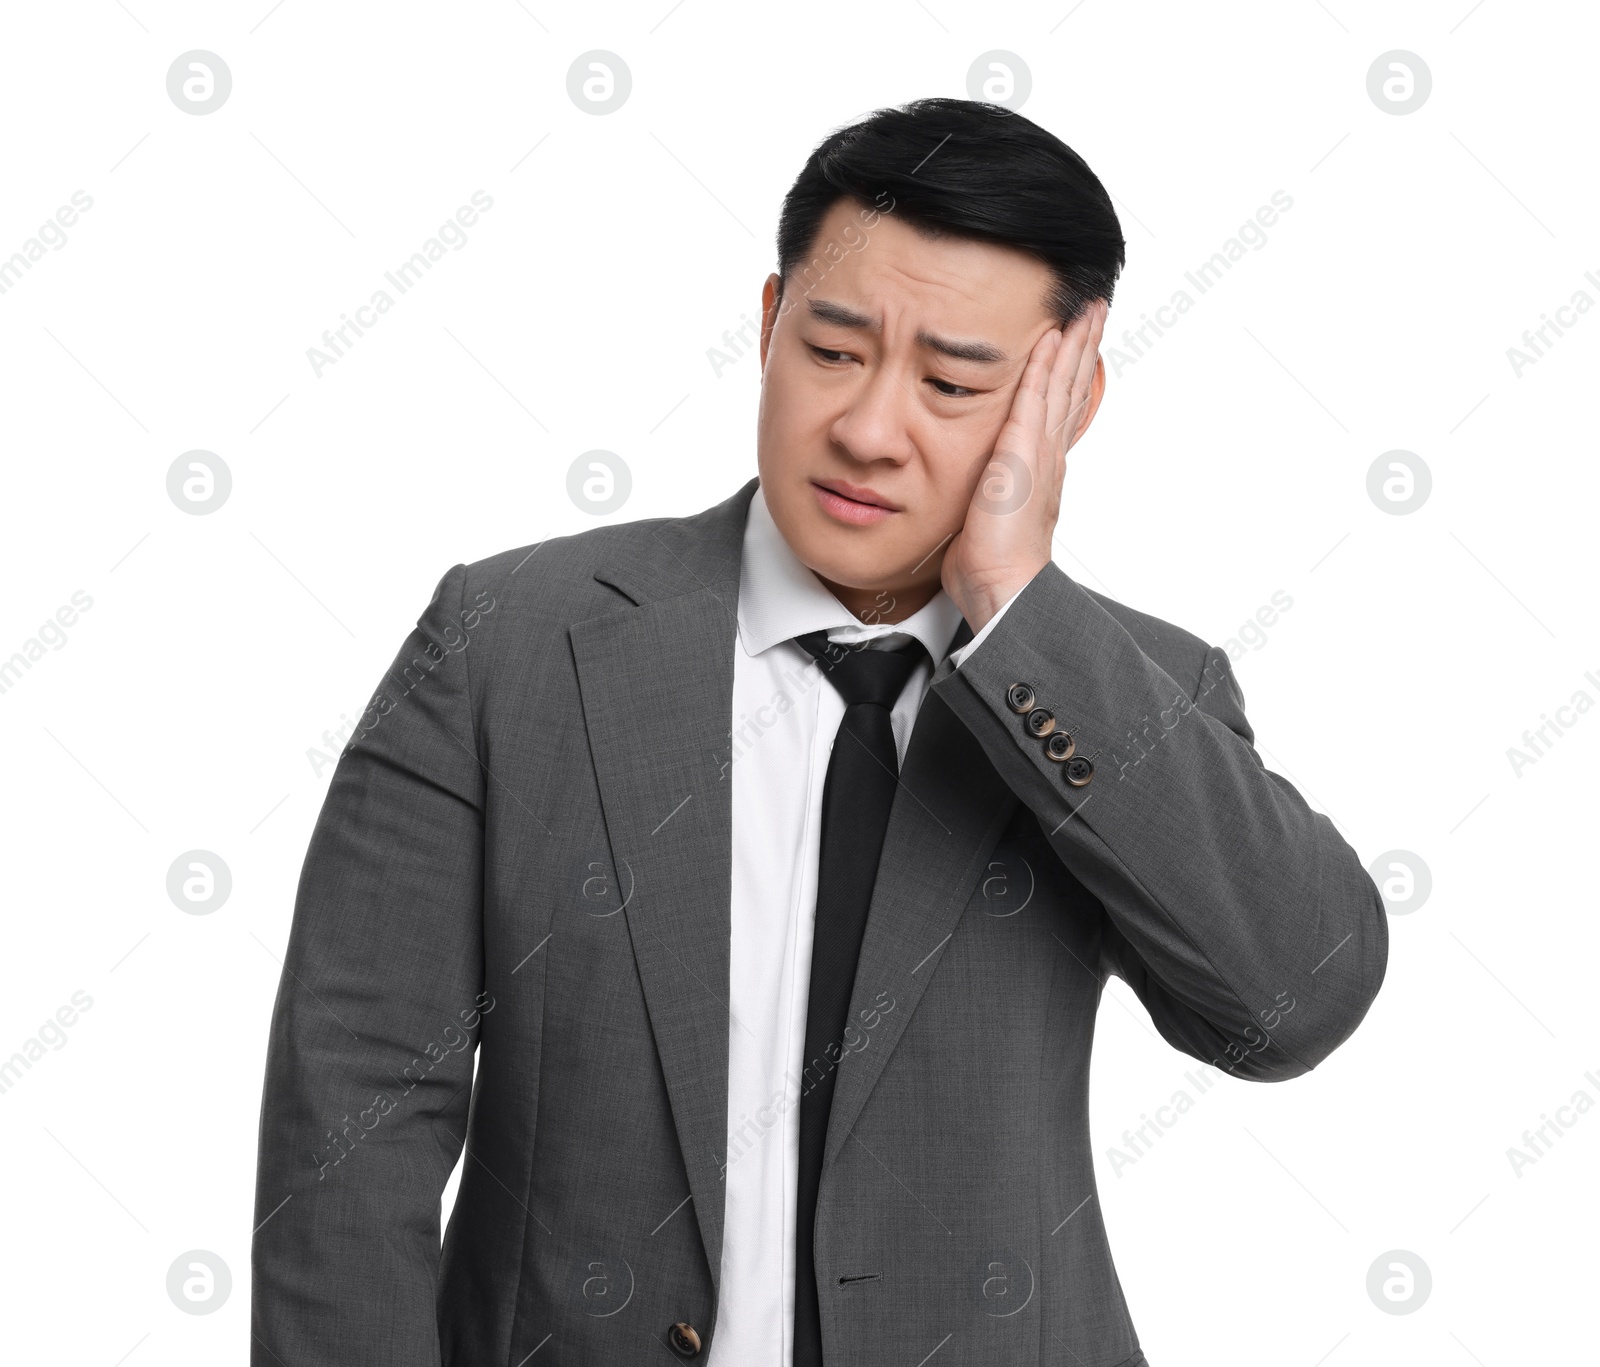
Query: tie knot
860	674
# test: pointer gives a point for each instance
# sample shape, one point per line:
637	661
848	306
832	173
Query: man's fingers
1074	340
1041	364
1025	422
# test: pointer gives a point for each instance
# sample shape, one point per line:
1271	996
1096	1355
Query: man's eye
950	391
833	357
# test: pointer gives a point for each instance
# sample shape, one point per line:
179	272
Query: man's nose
875	423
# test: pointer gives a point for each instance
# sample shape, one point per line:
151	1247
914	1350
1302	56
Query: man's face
886	377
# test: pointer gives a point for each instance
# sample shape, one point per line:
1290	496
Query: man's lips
851	503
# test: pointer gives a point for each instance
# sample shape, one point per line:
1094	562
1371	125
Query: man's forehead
956	282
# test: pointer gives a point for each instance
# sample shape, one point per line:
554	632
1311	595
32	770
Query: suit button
685	1340
1019	697
1059	747
1079	771
1041	723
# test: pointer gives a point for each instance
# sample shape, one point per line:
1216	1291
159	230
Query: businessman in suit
771	860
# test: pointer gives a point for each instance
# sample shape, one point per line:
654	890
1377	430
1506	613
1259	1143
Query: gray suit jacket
526	848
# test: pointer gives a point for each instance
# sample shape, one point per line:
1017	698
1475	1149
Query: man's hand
1012	517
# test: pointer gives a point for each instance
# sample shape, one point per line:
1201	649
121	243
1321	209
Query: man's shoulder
560	569
565	579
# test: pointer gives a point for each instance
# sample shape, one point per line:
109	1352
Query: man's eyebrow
984	353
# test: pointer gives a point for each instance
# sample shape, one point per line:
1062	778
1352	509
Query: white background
1228	462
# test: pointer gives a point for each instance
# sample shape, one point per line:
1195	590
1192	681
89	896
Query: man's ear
1097	391
771	300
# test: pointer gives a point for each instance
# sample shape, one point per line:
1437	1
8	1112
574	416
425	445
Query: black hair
964	168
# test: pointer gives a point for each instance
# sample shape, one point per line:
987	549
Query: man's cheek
975	438
954	474
811	401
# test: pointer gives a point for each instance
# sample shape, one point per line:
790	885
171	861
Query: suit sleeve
369	1060
1240	917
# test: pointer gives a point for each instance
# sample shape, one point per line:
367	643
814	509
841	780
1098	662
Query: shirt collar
779	598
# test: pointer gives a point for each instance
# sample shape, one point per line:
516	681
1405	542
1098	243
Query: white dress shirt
785	718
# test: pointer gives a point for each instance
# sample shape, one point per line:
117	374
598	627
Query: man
774	859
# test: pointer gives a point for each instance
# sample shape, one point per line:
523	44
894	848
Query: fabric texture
526	851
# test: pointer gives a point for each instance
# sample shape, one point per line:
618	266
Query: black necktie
863	772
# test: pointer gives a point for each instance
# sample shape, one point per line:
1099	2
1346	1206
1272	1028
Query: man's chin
851	557
858	577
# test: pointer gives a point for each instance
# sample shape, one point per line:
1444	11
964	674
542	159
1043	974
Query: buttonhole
860	1277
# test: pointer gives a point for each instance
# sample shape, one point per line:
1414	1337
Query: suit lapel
948	812
656	681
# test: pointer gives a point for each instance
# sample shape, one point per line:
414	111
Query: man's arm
1242	919
369	1063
